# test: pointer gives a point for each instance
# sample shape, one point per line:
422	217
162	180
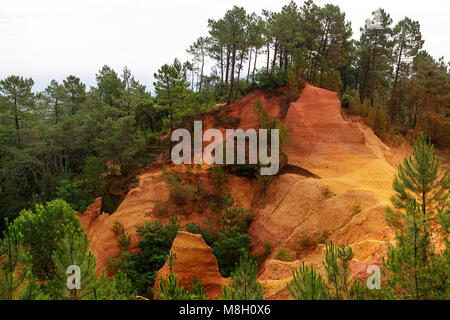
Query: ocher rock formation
356	170
193	258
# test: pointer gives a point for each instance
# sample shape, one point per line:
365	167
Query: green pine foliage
73	249
42	229
420	179
141	268
16	279
307	284
171	288
228	248
244	283
413	267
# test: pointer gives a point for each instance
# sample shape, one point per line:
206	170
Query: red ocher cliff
356	170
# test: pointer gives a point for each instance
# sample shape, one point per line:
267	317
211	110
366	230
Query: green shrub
179	193
218	177
271	80
43	228
75	194
230	245
354	106
267	249
331	80
323	237
123	239
141	268
283	255
346	99
160	208
304	241
327	193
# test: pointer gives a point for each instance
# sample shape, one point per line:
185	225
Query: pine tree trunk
268	57
201	72
281	57
391	102
221	63
56	111
363	90
254	65
419	118
249	63
275	54
233	61
372	77
285	60
239	75
228	66
16	119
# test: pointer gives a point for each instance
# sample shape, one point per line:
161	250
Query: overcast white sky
50	39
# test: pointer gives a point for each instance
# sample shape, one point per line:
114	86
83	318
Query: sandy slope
356	170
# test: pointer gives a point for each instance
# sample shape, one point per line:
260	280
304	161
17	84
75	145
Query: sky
50	39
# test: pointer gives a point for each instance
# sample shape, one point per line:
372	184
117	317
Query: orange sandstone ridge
193	258
356	170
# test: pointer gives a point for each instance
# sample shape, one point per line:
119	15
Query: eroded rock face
356	170
194	258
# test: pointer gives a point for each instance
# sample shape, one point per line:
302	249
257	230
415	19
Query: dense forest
74	143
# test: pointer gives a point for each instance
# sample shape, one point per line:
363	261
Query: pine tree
198	50
171	89
76	91
377	48
233	215
110	86
407	41
73	249
307	284
414	270
55	95
17	92
337	267
244	281
197	290
428	91
408	263
171	288
16	278
420	179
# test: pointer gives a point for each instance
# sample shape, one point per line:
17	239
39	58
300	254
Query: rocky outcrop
356	170
193	258
91	214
